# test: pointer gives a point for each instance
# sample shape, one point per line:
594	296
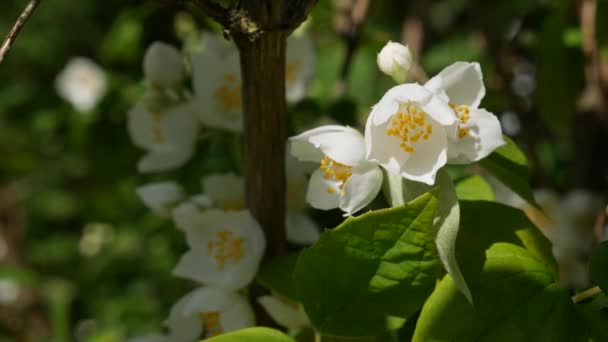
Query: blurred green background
81	259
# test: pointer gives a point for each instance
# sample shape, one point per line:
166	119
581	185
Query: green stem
587	294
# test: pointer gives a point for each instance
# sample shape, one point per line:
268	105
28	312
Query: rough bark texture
263	71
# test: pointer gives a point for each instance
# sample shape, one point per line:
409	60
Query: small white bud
395	60
163	65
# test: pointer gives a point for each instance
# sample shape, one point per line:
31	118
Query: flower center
211	323
157	133
226	248
335	171
229	93
409	125
290	72
463	114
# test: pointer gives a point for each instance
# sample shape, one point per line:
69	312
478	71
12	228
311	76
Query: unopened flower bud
163	65
395	60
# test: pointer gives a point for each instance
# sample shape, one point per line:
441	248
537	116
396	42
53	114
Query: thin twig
215	11
587	294
12	35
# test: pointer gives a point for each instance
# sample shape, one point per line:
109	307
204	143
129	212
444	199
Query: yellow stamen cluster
409	125
464	115
211	323
335	171
228	94
157	133
290	71
226	248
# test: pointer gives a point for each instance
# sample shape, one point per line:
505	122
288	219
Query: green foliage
381	264
277	274
473	188
516	299
598	266
510	166
256	334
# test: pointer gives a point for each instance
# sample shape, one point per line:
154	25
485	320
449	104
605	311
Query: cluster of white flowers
413	131
225	242
82	83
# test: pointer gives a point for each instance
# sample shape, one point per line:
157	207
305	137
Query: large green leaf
277	274
510	166
446	221
474	188
483	223
516	299
373	271
255	334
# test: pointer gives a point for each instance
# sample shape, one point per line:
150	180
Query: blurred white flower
478	134
285	312
163	65
217	79
510	123
168	136
203	313
345	179
9	291
395	60
226	248
406	132
300	66
160	197
82	83
218	310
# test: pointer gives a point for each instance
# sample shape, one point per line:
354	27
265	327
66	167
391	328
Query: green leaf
373	271
516	299
255	334
446	220
598	266
510	166
277	274
484	223
474	188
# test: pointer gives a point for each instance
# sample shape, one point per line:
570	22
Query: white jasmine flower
219	310
82	83
225	248
285	312
226	192
395	60
300	66
160	197
163	65
217	84
407	130
461	84
345	179
168	136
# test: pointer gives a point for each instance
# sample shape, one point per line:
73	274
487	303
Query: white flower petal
300	62
389	104
301	229
234	312
160	197
140	125
347	147
163	65
179	125
286	313
189	266
483	137
185	215
462	82
382	148
182	326
230	246
164	160
395	60
302	149
361	188
318	195
82	83
227	191
429	157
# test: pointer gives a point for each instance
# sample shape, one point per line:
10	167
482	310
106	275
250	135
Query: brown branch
214	11
350	16
12	35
